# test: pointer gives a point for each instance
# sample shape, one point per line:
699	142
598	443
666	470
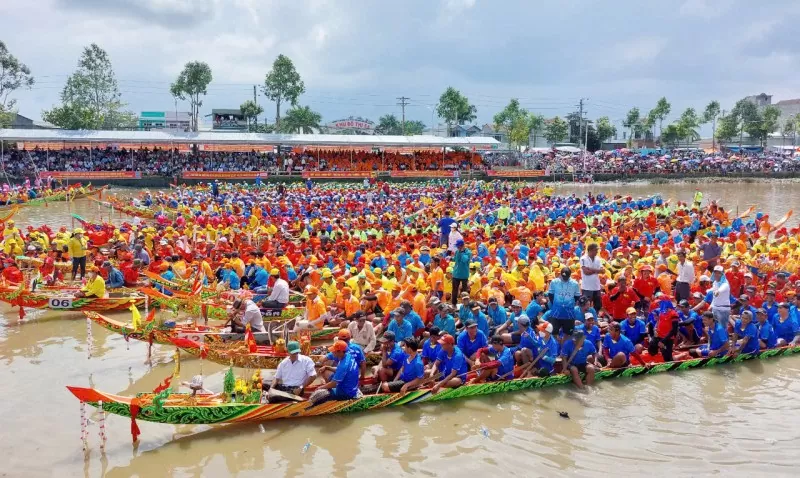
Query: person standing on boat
295	372
711	251
685	277
718	297
591	267
76	248
563	293
461	260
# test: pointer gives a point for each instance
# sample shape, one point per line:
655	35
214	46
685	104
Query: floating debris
563	415
306	446
485	431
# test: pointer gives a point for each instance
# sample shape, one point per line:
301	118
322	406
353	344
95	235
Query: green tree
300	119
710	116
91	98
13	75
592	140
515	121
649	123
455	108
283	85
687	125
414	127
660	112
536	126
727	127
191	83
766	123
605	129
556	130
632	121
671	135
250	109
389	125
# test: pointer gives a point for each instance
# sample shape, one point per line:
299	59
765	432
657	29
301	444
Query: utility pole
580	129
403	102
256	102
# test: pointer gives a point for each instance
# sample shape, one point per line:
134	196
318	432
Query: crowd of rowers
467	282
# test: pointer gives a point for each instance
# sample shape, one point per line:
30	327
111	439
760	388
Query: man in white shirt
246	312
591	267
280	292
295	372
453	238
362	333
718	297
685	277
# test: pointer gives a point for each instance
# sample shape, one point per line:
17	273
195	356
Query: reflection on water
741	419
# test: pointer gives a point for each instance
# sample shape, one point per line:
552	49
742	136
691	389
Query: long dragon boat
196	306
63	195
65	301
183	409
187	288
129	209
238	354
164	335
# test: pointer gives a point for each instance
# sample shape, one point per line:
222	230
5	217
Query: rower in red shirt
621	298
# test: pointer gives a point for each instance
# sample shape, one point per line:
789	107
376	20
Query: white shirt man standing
685	277
591	267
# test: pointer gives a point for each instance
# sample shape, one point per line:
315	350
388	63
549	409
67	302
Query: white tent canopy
171	137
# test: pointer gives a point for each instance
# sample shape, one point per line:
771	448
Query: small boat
63	299
164	335
62	195
238	354
183	409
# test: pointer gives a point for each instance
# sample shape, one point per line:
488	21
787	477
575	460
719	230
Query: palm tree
300	119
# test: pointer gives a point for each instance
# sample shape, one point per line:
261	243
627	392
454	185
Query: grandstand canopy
204	137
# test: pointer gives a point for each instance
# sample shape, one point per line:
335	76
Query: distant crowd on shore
165	162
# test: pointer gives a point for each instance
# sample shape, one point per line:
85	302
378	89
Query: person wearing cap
399	326
684	277
767	338
501	356
787	329
717	345
480	318
95	286
451	363
454	238
295	372
444	320
330	361
316	310
411	316
563	292
444	228
591	268
391	357
634	329
621	299
279	296
76	248
461	260
617	348
470	340
577	355
115	277
529	343
412	371
745	304
583	307
718	297
665	329
590	330
690	329
327	287
745	334
346	305
431	347
510	326
362	332
496	313
343	384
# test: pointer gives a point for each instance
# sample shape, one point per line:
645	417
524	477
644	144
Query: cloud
357	56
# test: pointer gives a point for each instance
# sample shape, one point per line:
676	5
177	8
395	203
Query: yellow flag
136	317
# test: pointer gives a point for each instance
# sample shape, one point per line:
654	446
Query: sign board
60	302
223	174
358	124
337	174
92	174
423	174
516	174
195	337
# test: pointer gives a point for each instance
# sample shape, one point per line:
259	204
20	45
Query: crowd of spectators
168	162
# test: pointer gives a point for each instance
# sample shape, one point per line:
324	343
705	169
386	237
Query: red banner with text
337	174
516	174
425	174
223	174
92	174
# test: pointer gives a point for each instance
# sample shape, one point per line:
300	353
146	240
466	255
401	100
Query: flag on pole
136	317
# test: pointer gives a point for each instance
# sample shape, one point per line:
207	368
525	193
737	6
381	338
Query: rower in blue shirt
766	334
746	333
431	347
470	340
578	354
717	345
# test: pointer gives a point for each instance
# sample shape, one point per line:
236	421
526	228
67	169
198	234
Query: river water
735	420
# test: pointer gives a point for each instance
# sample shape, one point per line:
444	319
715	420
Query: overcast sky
356	57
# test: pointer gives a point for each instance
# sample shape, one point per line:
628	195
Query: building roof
208	137
788	102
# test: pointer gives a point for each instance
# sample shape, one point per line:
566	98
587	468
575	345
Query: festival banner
337	174
92	174
424	174
516	174
237	148
223	174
